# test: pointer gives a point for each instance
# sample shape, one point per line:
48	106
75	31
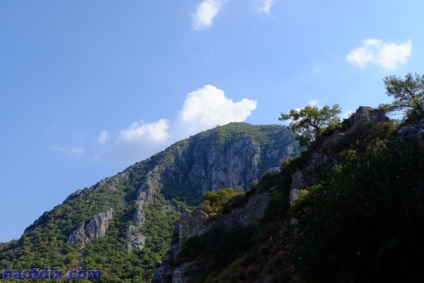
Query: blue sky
90	87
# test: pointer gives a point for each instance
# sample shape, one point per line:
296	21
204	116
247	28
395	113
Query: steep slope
123	224
349	209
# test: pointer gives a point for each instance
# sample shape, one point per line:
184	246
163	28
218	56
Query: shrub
221	201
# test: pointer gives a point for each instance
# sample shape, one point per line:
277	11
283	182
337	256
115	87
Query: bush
221	201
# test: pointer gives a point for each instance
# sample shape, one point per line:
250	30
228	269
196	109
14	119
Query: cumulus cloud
103	137
208	107
138	141
206	12
70	151
202	109
264	6
387	54
155	132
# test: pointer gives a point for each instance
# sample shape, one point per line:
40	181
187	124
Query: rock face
95	228
368	114
213	160
197	223
413	134
238	166
136	240
192	224
297	183
139	216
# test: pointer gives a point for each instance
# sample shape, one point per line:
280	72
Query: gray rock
95	228
368	114
413	134
78	235
139	216
192	224
135	240
226	165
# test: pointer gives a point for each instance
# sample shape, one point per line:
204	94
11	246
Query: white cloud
103	137
206	12
155	132
208	107
140	140
264	6
202	109
387	54
70	151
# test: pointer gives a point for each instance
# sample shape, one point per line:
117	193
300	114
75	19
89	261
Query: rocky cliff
95	228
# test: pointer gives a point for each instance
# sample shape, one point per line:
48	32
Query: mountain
348	209
123	225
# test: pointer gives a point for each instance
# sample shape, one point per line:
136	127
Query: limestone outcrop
95	228
368	114
135	240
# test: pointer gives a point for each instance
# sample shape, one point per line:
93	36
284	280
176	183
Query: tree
308	123
408	94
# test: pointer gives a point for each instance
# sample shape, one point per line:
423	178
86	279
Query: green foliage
222	245
308	123
235	241
234	131
181	193
359	137
221	201
408	94
44	242
364	222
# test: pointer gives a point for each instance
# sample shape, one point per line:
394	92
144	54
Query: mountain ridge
131	215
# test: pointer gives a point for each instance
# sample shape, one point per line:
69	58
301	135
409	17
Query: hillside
123	224
348	209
